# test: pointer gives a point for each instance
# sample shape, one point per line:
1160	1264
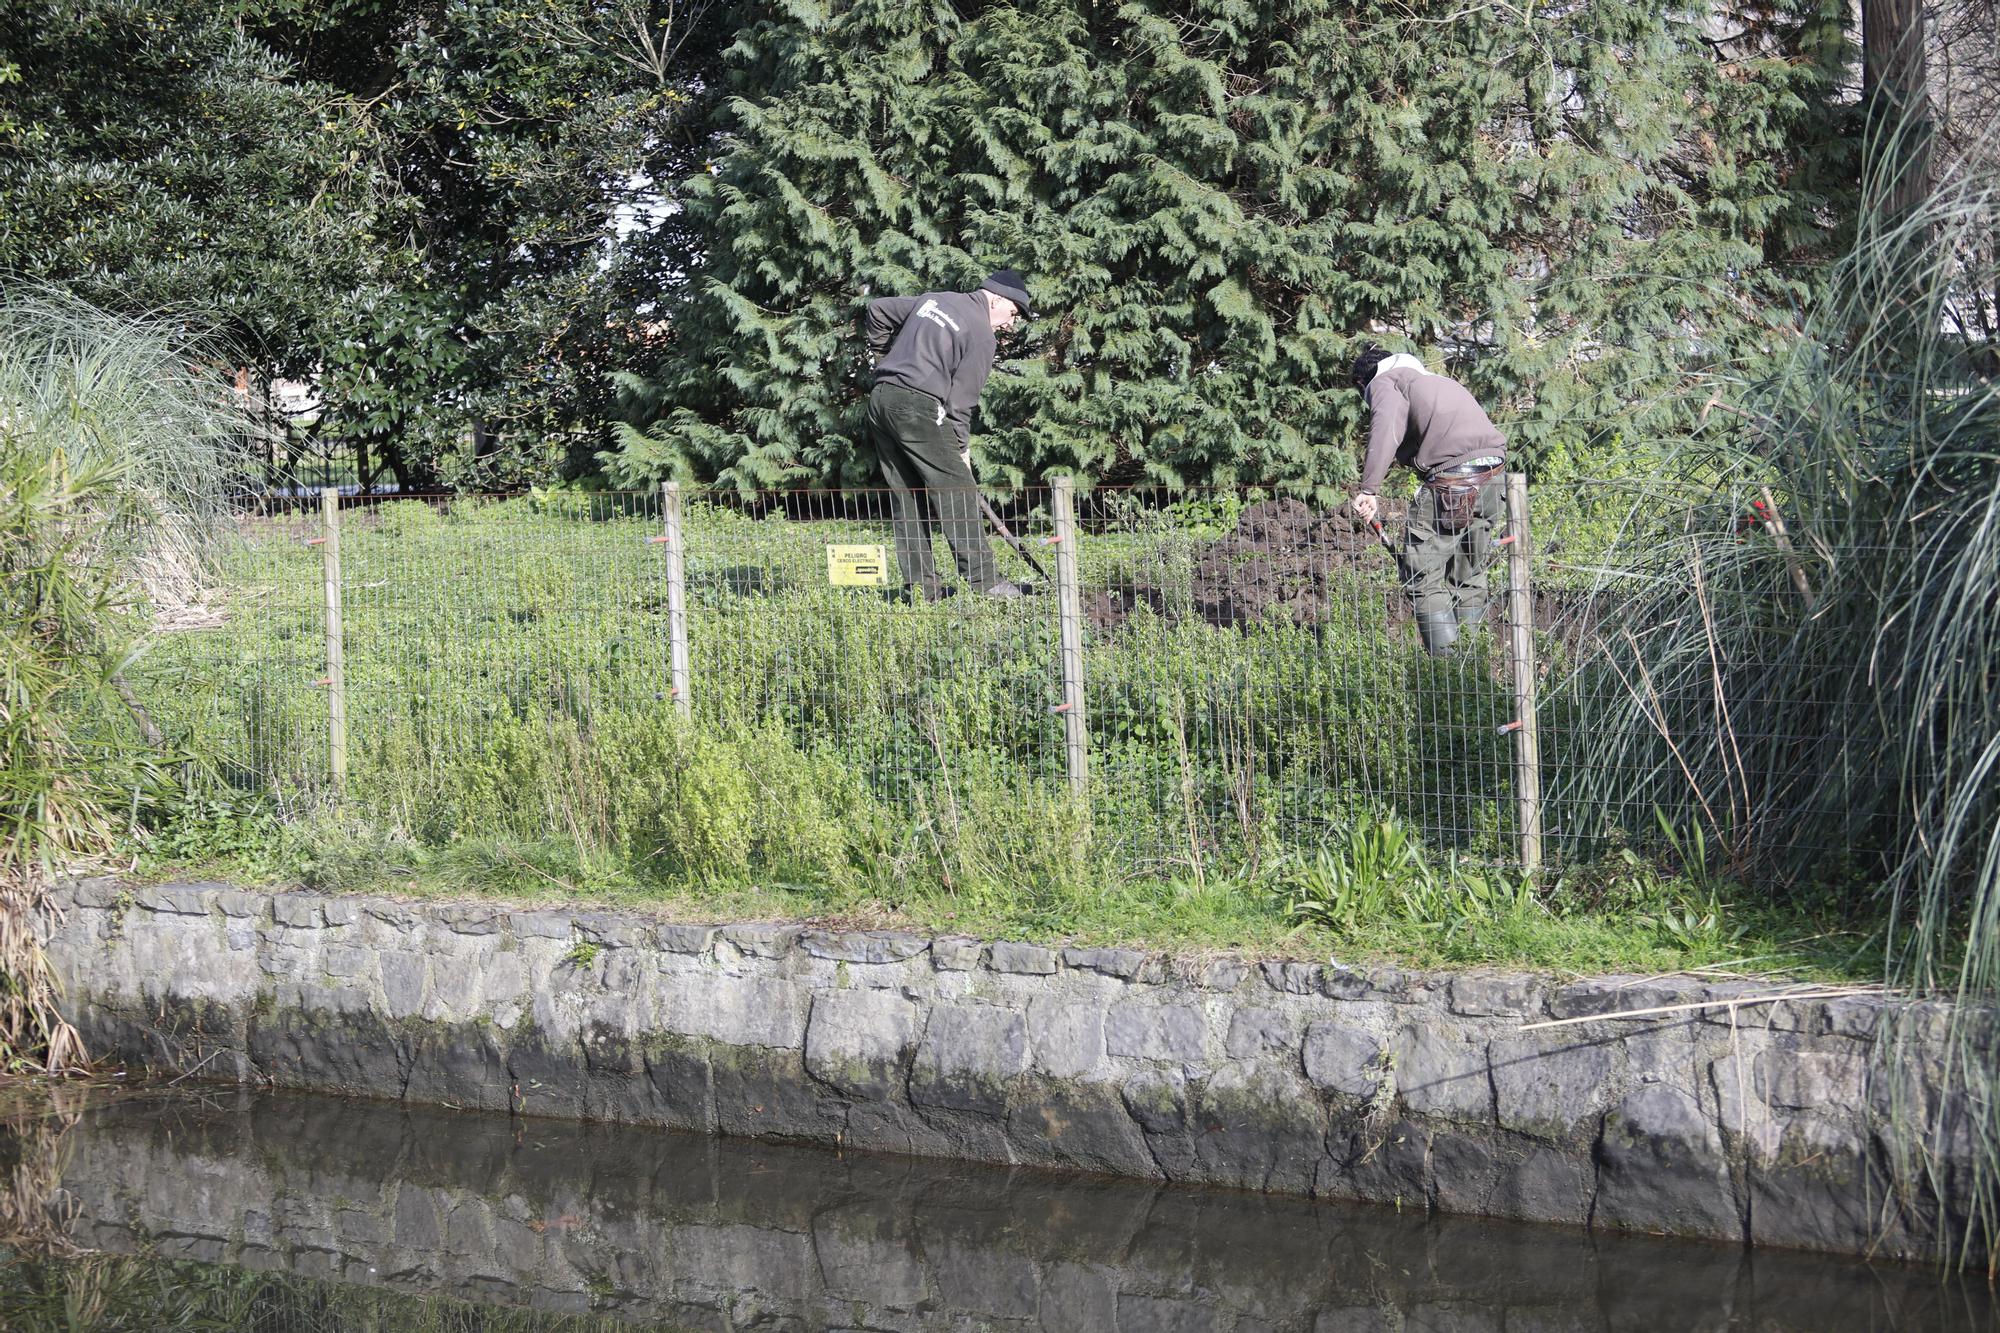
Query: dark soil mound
1285	560
1281	559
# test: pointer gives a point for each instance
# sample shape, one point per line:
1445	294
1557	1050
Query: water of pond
288	1214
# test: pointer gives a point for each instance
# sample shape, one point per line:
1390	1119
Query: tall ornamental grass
1800	648
113	447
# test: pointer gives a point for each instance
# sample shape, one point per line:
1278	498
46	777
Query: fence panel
931	703
1256	680
233	669
1250	676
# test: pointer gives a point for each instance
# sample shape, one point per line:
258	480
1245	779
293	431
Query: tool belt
1456	491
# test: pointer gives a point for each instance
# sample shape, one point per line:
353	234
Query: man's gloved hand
1366	505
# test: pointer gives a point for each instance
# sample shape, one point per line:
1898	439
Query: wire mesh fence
1242	674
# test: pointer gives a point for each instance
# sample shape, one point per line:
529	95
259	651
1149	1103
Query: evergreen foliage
1576	202
153	157
517	137
414	203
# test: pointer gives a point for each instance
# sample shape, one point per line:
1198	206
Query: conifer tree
1574	204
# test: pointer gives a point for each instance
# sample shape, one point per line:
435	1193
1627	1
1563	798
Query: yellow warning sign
857	566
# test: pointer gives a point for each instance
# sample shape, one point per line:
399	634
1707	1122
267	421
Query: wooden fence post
336	656
677	617
1521	657
1069	611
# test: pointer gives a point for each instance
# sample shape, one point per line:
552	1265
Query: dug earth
1743	1119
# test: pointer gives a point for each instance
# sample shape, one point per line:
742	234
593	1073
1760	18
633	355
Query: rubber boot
1471	615
1439	632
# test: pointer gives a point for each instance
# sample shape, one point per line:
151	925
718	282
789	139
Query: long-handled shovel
1007	535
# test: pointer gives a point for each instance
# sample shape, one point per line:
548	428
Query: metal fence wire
1205	675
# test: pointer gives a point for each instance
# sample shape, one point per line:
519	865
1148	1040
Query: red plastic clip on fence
1050	541
654	541
315	541
1506	727
324	680
1510	537
1060	708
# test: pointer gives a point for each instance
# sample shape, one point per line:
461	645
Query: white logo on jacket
934	312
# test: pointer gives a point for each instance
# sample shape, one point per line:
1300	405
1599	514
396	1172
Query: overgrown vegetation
111	471
852	758
1838	674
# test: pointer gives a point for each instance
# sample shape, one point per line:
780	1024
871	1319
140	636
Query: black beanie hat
1006	282
1364	365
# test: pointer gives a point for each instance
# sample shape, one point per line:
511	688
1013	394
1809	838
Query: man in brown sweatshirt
933	354
1431	424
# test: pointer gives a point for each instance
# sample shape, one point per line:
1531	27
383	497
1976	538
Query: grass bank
1376	894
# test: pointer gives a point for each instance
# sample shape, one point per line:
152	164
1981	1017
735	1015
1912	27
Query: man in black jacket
933	354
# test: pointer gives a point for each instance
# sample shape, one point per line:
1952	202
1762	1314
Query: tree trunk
1898	100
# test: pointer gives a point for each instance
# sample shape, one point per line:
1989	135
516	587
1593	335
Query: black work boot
1439	632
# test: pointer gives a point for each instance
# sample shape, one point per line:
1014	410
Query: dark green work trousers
930	484
1445	572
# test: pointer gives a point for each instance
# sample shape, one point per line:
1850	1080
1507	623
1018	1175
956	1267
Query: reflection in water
308	1215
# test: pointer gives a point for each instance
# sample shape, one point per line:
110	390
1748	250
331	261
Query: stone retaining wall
1762	1123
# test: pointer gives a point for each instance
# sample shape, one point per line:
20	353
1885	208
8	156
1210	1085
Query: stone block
686	939
614	930
400	918
1822	1190
533	925
969	1056
1258	1125
176	900
344	960
956	953
238	904
297	910
1802	1079
1612	995
1661	1169
1222	974
1157	1099
1255	1032
100	892
1125	964
1155	1032
1548	1083
1492	995
734	1010
1171	1314
762	939
863	946
1291	978
469	918
1342	1058
1855	1016
341	911
1439	1072
403	976
1024	959
1067	1040
859	1040
1739	1110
